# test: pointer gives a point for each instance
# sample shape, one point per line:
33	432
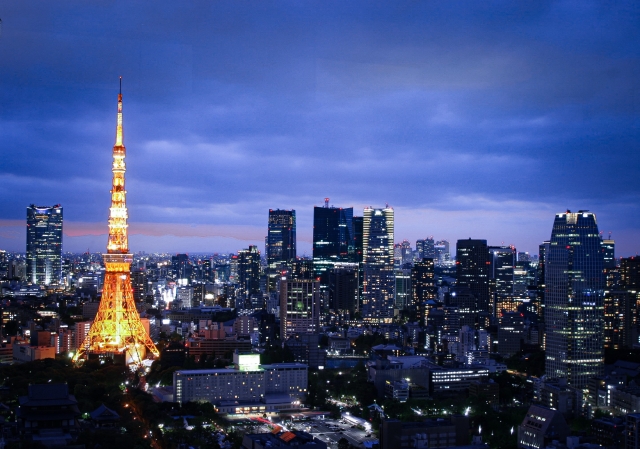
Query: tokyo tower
117	329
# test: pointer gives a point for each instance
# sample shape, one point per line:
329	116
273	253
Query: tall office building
423	283
610	266
248	275
343	289
406	253
139	285
280	245
181	266
543	251
299	307
502	261
44	244
472	267
333	238
425	248
609	254
402	294
358	233
358	229
630	273
630	288
574	310
377	254
442	253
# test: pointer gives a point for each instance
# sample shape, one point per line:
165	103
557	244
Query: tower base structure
116	331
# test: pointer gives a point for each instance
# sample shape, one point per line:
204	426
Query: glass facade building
574	307
280	245
502	262
44	244
248	277
472	268
333	238
377	255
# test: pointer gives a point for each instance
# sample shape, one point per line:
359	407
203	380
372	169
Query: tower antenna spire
120	85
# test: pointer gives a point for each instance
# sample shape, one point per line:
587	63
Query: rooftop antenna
326	202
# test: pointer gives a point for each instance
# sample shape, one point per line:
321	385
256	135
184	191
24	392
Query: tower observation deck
117	329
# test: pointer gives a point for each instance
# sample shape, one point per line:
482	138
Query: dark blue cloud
502	110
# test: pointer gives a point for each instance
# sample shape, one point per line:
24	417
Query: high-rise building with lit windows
333	238
299	307
280	245
502	261
44	244
472	267
543	251
423	285
248	276
610	265
574	292
425	248
377	255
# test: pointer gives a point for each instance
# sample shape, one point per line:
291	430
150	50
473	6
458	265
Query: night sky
471	119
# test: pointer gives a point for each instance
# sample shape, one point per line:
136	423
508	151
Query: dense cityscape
334	225
259	349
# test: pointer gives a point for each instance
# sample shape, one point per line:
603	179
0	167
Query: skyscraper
472	266
502	261
117	329
423	286
543	252
299	307
333	237
181	266
358	245
343	289
423	283
378	289
403	297
610	266
280	245
441	251
248	277
425	248
44	244
574	291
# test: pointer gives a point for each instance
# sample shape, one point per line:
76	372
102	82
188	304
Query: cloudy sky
471	119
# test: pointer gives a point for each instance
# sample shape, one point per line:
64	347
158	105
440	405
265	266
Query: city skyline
480	123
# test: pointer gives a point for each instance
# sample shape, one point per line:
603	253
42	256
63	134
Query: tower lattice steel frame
117	328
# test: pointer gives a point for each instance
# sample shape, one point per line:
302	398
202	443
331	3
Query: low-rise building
397	389
608	432
247	388
625	400
48	414
540	426
23	352
486	389
294	439
449	432
444	381
632	431
216	348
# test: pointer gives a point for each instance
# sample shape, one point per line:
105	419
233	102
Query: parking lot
330	431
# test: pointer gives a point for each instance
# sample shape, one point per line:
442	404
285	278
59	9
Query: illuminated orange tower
117	329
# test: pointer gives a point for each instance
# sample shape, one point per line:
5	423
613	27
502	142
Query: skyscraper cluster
573	299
